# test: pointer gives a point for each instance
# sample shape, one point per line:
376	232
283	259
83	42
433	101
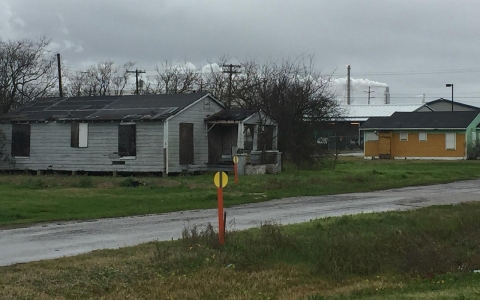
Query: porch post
240	138
275	138
255	138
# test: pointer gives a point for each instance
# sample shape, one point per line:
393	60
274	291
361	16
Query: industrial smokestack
387	95
348	85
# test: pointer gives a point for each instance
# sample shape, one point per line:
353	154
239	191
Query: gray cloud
375	37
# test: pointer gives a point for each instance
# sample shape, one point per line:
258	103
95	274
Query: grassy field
431	253
29	199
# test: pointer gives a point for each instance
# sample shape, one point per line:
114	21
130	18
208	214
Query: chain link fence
340	143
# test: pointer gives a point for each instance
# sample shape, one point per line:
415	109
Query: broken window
79	136
127	145
21	140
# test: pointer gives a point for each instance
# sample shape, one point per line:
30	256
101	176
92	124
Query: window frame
15	139
79	135
454	134
419	134
405	139
371	136
132	152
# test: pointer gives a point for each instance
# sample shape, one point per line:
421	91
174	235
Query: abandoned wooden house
168	133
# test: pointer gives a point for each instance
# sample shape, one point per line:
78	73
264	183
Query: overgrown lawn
430	253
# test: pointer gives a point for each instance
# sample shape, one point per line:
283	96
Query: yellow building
422	135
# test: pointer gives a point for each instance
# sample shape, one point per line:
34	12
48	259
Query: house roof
422	120
449	102
234	115
363	112
103	108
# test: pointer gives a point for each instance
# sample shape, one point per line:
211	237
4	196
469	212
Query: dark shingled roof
422	120
102	108
231	115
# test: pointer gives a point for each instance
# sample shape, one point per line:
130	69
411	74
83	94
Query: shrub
34	184
129	182
85	182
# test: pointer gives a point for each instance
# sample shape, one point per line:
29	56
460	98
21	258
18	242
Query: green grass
30	199
430	253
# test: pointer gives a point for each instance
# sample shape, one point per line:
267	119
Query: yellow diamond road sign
235	159
223	179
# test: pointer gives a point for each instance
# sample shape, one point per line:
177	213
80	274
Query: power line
136	77
417	72
230	70
369	92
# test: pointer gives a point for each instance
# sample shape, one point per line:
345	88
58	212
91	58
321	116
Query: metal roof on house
363	112
234	115
449	102
422	120
103	108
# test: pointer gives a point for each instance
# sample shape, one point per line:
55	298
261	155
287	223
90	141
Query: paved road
70	238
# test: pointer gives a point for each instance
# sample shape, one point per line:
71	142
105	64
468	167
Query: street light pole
450	85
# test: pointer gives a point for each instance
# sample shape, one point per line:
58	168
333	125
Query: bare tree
213	80
27	71
175	78
104	79
293	94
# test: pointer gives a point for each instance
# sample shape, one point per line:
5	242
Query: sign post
220	180
235	171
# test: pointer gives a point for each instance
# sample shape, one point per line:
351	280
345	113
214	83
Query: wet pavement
54	240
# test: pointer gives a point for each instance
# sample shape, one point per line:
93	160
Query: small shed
422	135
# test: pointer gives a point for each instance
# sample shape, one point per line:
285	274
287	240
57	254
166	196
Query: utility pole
230	70
348	85
137	71
369	92
59	75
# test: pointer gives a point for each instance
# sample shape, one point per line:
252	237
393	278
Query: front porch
250	135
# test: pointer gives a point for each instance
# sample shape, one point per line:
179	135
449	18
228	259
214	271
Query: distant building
422	135
347	125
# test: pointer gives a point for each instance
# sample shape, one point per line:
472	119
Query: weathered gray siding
4	162
50	148
196	114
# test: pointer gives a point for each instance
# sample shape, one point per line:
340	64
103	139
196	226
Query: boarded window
422	136
371	136
127	142
21	140
404	136
450	141
186	144
79	135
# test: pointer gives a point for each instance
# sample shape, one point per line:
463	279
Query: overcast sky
413	46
